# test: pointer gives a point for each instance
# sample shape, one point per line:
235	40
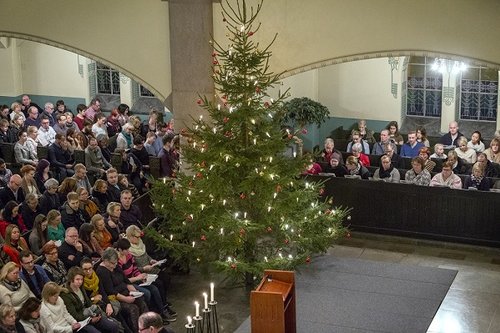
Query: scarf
8	329
36	289
476	181
128	138
385	173
356	171
92	284
138	249
12	286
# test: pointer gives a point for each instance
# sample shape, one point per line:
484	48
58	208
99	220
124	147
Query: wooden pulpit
272	304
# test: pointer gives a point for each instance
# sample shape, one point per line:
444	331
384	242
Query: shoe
171	312
167	317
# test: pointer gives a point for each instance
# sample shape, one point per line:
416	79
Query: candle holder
215	319
189	328
206	321
197	320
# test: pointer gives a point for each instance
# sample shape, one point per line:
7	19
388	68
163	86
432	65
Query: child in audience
439	152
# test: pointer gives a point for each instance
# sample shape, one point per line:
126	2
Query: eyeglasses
28	263
53	253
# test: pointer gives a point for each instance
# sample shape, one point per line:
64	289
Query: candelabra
215	319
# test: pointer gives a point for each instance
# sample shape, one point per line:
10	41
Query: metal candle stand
207	321
197	323
189	328
215	319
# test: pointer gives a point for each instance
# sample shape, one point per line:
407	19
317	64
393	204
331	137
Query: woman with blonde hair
99	196
100	232
53	313
16	110
8	323
466	153
13	290
28	183
55	229
493	152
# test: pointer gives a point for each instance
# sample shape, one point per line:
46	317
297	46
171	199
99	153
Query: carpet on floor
344	295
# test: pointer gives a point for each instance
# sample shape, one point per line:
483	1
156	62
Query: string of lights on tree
241	206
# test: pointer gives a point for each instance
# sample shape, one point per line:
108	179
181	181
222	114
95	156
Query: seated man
71	213
34	275
130	213
379	147
395	158
450	138
12	191
61	157
5	173
446	177
71	250
46	134
96	163
60	125
81	177
113	192
412	147
32	119
356	138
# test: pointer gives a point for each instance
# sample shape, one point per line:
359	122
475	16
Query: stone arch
87	54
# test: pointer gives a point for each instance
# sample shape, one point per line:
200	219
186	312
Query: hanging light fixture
446	66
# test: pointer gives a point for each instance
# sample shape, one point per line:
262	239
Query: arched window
478	94
423	88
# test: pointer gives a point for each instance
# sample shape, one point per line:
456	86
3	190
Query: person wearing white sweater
54	314
13	290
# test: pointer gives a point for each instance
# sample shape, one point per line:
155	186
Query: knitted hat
335	156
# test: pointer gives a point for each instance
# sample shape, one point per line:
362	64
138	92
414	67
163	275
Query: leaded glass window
108	80
479	94
424	88
144	92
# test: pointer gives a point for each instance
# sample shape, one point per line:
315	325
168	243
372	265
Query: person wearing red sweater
14	243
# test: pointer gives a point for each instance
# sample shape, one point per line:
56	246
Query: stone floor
472	304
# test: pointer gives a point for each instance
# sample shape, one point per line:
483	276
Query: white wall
360	89
51	71
10	82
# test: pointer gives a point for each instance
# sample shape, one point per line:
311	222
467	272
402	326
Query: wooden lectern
272	304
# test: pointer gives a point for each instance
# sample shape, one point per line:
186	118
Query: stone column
191	24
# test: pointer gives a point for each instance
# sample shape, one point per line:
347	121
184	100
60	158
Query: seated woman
459	167
29	316
68	185
118	287
439	152
38	236
22	152
417	175
422	136
80	307
112	218
42	174
467	154
99	195
8	322
73	140
88	240
10	214
476	142
356	138
493	152
14	243
424	153
312	168
13	290
53	312
29	209
356	152
53	266
446	177
55	228
477	179
29	183
394	134
50	199
100	232
151	292
387	172
335	167
488	167
86	204
328	150
354	168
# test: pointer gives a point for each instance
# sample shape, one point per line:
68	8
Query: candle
205	297
197	306
211	292
190	320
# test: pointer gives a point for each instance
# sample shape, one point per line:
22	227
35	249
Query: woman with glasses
53	266
50	199
356	138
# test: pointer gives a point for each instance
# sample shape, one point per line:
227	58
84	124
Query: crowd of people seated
70	233
453	156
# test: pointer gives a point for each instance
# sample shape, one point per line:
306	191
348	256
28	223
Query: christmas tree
241	207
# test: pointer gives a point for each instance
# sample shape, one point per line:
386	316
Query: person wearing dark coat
113	191
477	179
61	157
451	138
29	209
335	167
50	199
71	213
71	251
12	192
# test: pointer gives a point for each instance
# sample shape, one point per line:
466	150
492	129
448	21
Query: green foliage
305	111
240	206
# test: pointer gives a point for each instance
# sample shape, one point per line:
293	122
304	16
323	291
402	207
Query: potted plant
304	111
